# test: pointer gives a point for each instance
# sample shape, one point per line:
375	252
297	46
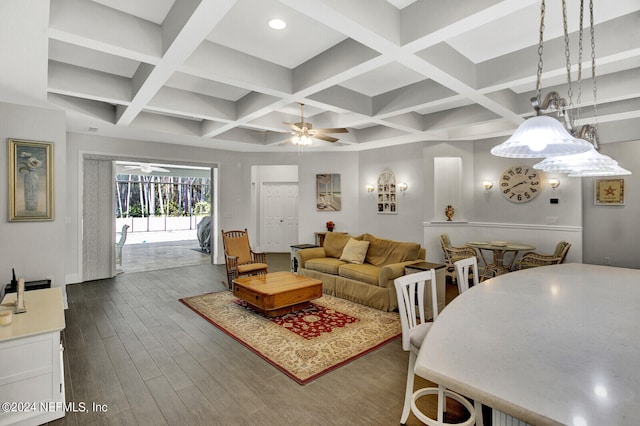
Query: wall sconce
487	184
371	187
554	183
402	186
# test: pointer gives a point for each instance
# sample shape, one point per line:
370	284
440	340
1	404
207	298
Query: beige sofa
370	282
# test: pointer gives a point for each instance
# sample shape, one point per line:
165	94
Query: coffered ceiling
212	73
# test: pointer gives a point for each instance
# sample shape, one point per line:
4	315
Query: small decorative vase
330	228
449	212
31	190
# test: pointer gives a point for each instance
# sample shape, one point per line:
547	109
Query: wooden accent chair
453	254
240	259
532	259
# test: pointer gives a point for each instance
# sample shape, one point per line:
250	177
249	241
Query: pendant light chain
566	51
580	51
593	65
540	49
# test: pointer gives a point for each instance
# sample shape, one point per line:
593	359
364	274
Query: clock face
520	184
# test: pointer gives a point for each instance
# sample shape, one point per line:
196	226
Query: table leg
488	267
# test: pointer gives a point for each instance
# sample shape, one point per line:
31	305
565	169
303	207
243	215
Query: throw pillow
355	251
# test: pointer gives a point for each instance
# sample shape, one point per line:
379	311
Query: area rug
306	344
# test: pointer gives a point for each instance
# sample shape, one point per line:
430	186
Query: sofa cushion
354	251
383	252
328	265
366	272
334	243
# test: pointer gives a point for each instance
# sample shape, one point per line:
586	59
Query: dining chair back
240	259
410	292
532	259
452	254
466	269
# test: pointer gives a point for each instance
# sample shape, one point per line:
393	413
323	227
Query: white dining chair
466	268
410	291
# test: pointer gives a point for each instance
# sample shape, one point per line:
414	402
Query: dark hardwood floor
134	349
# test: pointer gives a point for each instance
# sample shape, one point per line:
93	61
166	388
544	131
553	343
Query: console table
31	366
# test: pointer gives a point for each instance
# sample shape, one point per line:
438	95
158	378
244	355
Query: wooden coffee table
277	293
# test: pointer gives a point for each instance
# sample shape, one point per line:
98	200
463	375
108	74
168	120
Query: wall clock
520	184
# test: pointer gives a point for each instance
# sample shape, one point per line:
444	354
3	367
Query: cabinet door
31	371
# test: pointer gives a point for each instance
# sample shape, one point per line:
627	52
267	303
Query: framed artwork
609	192
387	196
328	193
30	180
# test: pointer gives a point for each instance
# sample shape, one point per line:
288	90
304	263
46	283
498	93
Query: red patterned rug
309	322
307	344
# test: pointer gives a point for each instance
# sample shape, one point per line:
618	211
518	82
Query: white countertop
45	314
551	345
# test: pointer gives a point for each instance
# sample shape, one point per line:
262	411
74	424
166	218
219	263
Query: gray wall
33	248
613	232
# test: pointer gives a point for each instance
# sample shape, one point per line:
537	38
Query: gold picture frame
609	192
30	180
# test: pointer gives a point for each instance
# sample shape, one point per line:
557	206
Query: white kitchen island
31	366
551	345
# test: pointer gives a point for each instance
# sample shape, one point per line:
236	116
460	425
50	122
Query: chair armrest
461	252
531	259
310	253
231	261
390	272
258	257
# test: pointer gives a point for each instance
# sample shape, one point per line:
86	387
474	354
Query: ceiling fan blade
325	138
159	169
293	126
332	130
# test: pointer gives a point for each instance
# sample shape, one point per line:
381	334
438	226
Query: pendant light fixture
543	136
590	163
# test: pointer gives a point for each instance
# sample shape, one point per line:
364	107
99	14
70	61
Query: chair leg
409	389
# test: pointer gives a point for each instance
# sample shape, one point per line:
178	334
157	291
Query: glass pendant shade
591	160
590	163
614	170
540	137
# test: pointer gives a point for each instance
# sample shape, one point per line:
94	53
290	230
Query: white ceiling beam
199	18
185	103
97	27
81	82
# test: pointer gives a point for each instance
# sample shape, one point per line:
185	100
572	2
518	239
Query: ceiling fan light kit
303	132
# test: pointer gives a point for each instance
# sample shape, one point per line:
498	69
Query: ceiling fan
146	168
303	132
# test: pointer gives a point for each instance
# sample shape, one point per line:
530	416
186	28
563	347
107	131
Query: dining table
552	345
499	264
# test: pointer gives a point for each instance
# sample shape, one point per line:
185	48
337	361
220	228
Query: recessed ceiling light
277	24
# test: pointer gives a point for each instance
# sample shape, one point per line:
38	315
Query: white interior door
279	216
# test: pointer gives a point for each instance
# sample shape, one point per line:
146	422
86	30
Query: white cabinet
31	364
